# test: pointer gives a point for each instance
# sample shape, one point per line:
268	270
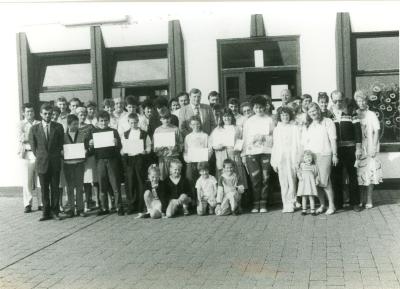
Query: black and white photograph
200	145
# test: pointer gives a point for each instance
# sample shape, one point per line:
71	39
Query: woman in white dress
320	138
285	156
369	168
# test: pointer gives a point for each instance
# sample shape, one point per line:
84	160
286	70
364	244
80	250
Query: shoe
345	205
263	210
130	212
113	210
313	213
185	211
69	214
297	205
45	218
330	212
369	206
121	212
357	208
291	210
58	217
28	209
81	214
304	212
103	212
211	211
40	208
142	216
320	210
254	210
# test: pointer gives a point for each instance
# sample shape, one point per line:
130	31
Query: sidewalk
273	250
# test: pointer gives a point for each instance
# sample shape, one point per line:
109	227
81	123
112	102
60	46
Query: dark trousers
49	183
259	167
347	158
135	176
192	174
108	171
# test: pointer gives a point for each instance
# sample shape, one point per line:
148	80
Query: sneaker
357	208
304	212
254	210
103	212
40	208
263	210
297	205
69	214
330	211
369	206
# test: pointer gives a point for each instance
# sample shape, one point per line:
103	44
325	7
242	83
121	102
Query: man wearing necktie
46	140
196	108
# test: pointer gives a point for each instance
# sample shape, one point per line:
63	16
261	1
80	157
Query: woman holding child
320	138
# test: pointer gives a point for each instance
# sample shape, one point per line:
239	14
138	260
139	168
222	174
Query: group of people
181	156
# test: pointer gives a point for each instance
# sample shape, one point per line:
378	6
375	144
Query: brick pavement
346	250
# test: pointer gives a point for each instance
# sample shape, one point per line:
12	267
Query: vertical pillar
100	84
343	54
257	28
176	59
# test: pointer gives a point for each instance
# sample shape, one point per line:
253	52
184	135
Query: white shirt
319	136
257	135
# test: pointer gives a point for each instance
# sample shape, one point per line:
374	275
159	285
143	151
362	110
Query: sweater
174	191
107	152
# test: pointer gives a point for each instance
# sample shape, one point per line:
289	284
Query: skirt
369	171
324	165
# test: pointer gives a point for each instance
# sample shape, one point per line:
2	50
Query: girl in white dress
369	168
308	181
285	156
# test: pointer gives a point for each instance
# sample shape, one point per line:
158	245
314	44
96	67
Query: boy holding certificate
257	146
137	144
197	149
167	143
106	143
74	165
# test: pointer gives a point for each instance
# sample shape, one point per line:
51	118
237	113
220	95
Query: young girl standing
308	180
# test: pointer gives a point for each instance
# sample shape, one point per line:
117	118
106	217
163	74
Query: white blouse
319	136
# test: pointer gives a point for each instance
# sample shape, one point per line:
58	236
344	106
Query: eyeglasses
337	100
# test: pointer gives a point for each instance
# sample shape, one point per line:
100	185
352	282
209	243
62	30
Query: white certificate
164	139
196	155
133	147
225	137
103	139
74	151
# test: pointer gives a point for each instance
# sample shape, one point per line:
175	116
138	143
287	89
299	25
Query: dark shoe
59	217
69	214
81	214
40	208
103	212
121	212
313	213
45	218
130	212
357	208
304	213
28	209
113	210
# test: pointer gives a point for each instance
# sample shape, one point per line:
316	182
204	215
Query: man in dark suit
196	108
46	140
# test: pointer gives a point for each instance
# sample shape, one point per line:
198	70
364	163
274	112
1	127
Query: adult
369	168
301	114
233	105
348	132
46	140
214	98
320	138
195	108
27	157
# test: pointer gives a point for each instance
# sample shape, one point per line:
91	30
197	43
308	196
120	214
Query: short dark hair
285	109
76	100
172	100
26	105
91	104
165	114
160	102
108	102
213	93
46	106
133	115
56	109
62	99
246	103
131	100
228	161
147	103
323	95
183	93
227	112
233	100
258	99
104	115
194	91
306	95
195	118
203	166
71	118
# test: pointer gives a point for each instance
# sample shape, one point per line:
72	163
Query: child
196	139
233	105
154	194
56	114
323	101
62	104
135	163
257	137
123	122
174	106
74	103
108	106
91	113
230	189
74	169
177	189
285	156
147	107
206	187
165	154
108	165
308	181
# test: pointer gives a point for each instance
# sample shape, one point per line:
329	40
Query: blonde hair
153	169
309	153
360	94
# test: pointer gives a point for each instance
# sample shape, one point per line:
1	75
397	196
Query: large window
262	65
376	69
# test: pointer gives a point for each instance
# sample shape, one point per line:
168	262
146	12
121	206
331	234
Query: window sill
389	147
